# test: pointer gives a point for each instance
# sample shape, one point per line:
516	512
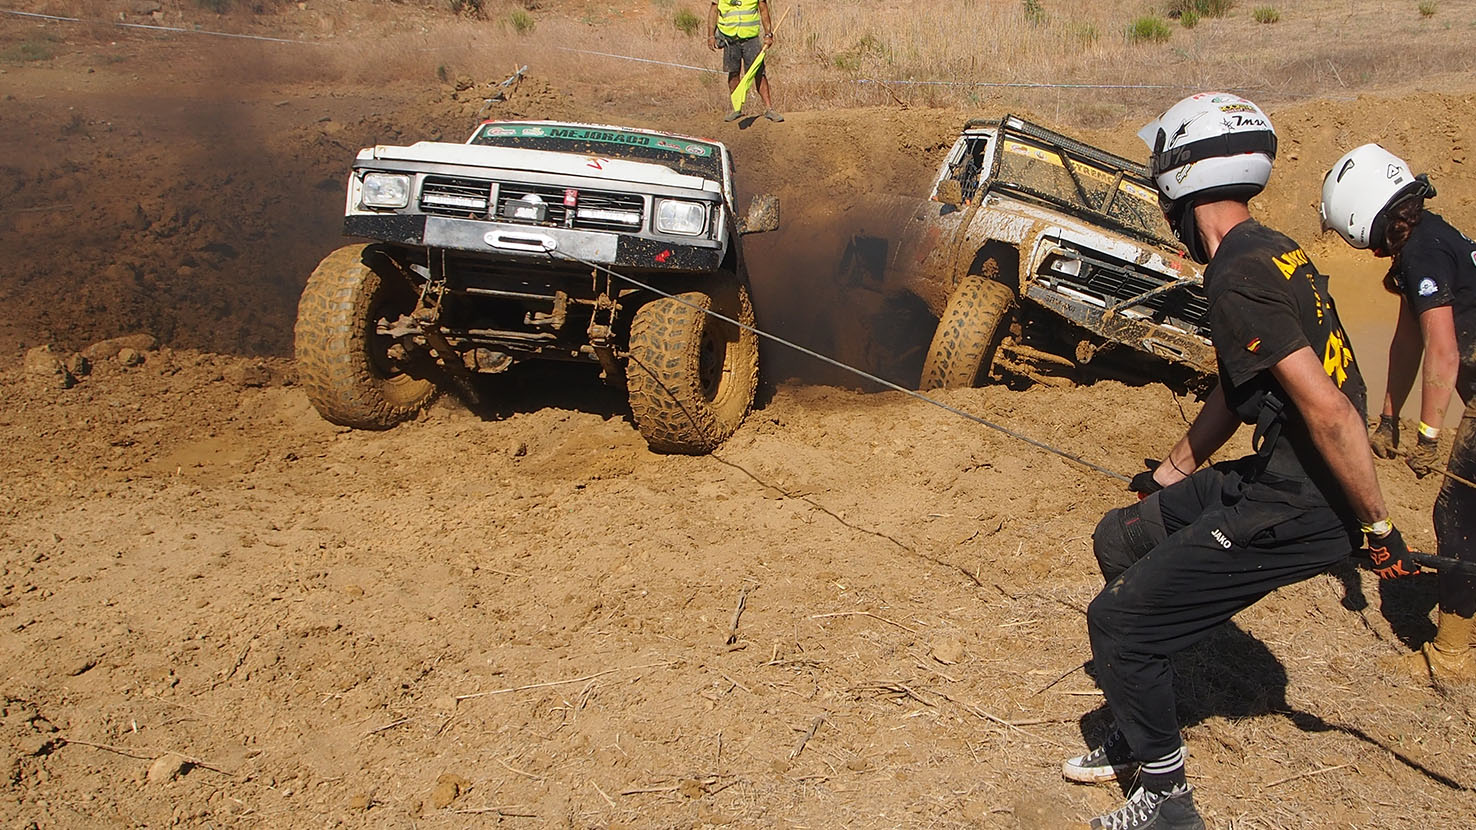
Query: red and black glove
1390	555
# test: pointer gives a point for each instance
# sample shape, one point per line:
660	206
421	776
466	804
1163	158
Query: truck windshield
696	158
1048	170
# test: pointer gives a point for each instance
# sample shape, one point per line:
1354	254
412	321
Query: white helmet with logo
1213	145
1360	188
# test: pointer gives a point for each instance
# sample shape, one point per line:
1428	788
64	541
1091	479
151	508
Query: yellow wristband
1378	528
1428	431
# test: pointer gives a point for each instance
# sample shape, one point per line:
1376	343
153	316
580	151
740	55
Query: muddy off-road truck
1043	258
512	247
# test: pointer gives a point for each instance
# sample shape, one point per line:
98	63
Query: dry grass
834	54
1046	56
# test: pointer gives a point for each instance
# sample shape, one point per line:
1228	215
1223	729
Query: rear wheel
968	335
353	375
691	377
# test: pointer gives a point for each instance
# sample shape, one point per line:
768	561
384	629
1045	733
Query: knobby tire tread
667	399
331	343
968	334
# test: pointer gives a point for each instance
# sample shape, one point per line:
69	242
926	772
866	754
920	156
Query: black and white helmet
1360	188
1209	146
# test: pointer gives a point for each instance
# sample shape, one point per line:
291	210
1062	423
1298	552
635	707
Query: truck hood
539	161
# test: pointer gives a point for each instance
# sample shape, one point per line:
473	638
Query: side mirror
763	214
950	192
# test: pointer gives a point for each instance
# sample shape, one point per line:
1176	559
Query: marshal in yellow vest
738	18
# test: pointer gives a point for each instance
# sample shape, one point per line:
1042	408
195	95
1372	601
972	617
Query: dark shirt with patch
1437	268
1267	300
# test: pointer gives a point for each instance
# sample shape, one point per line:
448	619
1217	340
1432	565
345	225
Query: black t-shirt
1436	268
1267	300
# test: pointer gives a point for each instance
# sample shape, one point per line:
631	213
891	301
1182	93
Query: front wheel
691	376
353	375
968	335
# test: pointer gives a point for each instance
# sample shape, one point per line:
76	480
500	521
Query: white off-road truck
1043	258
540	240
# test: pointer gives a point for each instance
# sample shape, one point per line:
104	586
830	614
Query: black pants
1455	519
1184	561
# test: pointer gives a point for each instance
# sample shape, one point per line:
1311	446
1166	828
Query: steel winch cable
1435	561
841	365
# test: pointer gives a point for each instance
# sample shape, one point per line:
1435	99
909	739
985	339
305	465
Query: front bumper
537	243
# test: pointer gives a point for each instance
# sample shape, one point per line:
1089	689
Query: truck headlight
385	190
679	217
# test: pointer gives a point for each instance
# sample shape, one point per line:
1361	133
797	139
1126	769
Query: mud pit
218	610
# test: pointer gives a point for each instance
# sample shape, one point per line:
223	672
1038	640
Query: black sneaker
1109	762
1148	810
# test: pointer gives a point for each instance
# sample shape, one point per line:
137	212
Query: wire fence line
154	27
611	55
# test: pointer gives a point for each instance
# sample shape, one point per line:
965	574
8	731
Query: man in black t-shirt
1201	546
1373	201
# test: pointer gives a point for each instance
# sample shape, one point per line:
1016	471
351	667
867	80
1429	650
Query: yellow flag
740	93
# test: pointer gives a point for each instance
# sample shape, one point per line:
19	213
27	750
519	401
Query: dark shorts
742	53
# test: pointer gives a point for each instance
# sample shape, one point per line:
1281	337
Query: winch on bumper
538	243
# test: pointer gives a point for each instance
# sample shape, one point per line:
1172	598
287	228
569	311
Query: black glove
1143	483
1385	438
1390	555
1424	457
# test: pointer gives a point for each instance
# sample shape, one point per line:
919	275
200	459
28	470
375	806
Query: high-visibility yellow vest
738	18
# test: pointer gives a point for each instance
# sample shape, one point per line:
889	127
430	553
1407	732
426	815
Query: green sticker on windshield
628	139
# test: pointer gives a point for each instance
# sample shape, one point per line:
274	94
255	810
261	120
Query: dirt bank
218	610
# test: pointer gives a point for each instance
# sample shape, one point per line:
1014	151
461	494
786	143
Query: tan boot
1449	658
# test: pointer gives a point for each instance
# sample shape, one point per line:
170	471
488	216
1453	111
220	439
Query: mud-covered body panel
1088	253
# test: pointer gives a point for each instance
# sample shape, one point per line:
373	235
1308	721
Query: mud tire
691	377
968	334
341	363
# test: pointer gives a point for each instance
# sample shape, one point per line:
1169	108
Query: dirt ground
218	610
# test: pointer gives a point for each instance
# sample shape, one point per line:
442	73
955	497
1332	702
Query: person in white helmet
1374	202
1203	544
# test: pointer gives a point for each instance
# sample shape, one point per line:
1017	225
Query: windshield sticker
602	136
1041	154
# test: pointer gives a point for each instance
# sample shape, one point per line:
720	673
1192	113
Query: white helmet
1210	141
1361	187
1212	145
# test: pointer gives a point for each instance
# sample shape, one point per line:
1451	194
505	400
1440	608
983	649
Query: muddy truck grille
1112	284
533	204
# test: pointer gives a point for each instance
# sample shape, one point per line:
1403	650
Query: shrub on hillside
686	21
522	22
1148	29
1266	14
1199	8
1034	12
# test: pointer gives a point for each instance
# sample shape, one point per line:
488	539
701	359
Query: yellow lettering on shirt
1336	357
1290	261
